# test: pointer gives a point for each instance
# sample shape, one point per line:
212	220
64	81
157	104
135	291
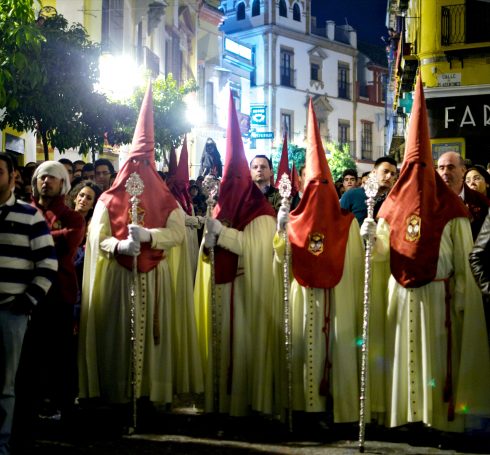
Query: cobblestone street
185	431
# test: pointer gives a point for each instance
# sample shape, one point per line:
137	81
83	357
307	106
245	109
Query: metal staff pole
371	189
210	186
134	187
285	192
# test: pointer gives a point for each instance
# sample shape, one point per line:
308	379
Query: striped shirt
28	261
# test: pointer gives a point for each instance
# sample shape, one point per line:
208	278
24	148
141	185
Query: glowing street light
119	76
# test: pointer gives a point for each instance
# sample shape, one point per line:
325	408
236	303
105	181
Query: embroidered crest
414	225
315	243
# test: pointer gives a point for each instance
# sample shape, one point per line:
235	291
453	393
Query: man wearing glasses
103	171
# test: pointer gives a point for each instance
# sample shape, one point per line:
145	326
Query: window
286	125
255	8
315	72
112	26
240	11
283	10
344	132
296	13
367	140
343	79
287	72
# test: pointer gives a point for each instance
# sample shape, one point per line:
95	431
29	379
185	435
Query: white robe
309	309
416	338
163	365
250	386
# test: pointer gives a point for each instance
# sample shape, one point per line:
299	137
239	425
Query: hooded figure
167	358
178	183
437	365
242	231
326	292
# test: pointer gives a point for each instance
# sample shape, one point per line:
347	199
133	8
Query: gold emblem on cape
141	216
315	243
414	225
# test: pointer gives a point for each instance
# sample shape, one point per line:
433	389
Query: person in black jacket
480	266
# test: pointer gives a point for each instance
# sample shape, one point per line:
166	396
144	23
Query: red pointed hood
294	181
283	163
156	202
178	183
172	162
419	205
318	227
240	201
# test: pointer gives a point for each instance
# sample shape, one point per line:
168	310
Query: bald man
451	168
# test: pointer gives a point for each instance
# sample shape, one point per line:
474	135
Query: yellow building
448	41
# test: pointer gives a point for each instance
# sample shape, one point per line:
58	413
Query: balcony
287	76
465	23
344	90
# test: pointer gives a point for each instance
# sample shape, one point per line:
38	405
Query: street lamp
119	76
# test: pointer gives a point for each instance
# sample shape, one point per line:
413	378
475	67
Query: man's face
103	176
69	169
88	175
451	170
385	175
49	186
260	171
6	180
349	182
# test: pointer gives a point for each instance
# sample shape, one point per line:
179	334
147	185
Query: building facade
295	58
449	43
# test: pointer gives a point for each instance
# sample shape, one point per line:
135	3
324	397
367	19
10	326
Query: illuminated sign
238	49
258	115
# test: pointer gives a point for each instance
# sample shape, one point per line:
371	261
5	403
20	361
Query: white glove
210	240
128	247
213	226
368	229
191	221
139	233
201	220
282	218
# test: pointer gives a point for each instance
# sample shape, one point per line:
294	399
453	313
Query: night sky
368	17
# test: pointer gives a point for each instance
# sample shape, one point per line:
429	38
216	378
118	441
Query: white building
294	60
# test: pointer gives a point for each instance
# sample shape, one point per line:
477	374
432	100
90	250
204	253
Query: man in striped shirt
28	266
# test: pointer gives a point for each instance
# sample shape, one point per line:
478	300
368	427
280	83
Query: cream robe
104	347
308	312
416	338
188	368
245	376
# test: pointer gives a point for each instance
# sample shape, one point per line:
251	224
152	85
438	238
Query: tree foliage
296	155
20	47
64	109
340	159
169	113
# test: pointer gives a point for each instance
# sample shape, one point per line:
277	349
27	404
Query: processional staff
285	192
371	189
210	186
134	187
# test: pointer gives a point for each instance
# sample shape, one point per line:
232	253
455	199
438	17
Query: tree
20	46
64	109
340	159
296	155
169	110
